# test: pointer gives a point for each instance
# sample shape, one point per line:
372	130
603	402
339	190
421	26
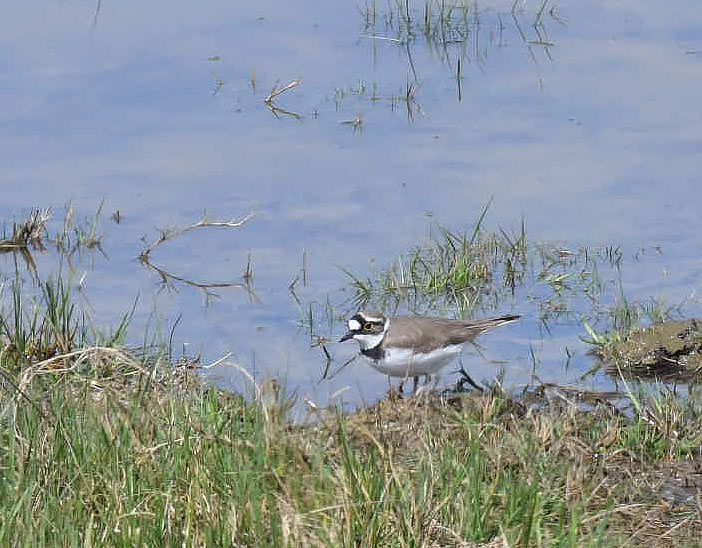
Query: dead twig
167	277
170	233
276	90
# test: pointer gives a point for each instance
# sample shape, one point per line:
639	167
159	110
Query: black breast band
376	353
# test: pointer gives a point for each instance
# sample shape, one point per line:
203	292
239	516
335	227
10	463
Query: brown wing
427	333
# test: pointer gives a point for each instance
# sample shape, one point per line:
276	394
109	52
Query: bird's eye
367	326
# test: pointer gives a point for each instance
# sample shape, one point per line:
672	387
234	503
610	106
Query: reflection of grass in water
459	32
456	27
439	22
451	269
76	237
40	321
405	97
625	316
469	273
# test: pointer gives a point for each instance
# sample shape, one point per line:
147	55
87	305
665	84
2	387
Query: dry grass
148	454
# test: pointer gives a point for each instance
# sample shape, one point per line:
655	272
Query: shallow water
588	126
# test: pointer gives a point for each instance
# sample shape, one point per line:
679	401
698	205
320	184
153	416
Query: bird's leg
414	386
466	377
427	378
401	387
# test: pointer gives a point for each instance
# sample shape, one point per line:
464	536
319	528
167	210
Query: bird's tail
480	326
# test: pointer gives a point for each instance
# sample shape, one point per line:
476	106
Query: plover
412	346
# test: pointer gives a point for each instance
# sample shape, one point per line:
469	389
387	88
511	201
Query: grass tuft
458	270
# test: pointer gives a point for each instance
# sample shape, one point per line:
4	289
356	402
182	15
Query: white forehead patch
372	318
354	325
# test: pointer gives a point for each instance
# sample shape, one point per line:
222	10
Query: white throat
369	341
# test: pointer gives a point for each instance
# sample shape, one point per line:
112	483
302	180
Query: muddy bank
668	351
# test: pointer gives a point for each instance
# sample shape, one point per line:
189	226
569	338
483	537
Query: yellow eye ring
367	326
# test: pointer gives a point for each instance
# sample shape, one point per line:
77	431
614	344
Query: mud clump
669	351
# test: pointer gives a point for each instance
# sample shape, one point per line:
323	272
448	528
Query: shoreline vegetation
108	445
102	447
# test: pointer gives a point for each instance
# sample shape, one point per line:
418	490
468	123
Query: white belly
403	362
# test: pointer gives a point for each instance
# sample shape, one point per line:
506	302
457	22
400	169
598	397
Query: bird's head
368	328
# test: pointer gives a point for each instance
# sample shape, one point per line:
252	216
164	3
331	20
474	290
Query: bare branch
275	90
168	277
170	233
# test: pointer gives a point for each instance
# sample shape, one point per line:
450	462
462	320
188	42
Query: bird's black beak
346	337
